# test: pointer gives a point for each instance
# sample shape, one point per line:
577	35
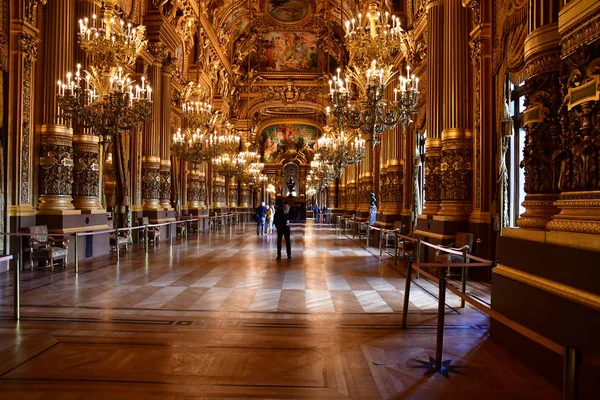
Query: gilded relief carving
391	190
56	172
86	189
151	183
433	178
456	170
29	51
165	186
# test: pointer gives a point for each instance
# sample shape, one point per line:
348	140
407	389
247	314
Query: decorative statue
372	209
290	185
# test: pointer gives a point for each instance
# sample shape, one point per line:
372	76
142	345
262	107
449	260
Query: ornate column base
539	209
392	193
165	184
244	195
456	204
233	194
579	212
193	190
150	182
433	178
202	183
56	169
86	188
219	193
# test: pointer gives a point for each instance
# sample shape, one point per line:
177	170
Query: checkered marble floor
237	271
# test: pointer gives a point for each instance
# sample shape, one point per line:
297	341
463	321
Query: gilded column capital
433	3
30	7
158	51
475	7
28	44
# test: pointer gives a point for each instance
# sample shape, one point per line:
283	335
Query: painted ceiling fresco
288	10
288	141
288	51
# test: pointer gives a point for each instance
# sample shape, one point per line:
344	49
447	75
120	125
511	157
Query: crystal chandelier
229	165
321	174
253	167
374	113
197	110
106	99
228	161
195	148
340	150
380	39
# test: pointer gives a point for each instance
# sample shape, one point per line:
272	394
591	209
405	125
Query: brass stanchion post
439	344
117	243
76	251
16	286
571	363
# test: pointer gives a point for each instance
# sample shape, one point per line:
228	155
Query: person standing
282	223
261	214
270	215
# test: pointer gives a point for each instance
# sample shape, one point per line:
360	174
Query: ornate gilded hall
437	163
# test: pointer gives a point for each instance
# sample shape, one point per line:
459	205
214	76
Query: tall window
516	174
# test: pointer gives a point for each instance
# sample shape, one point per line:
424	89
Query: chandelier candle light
375	113
106	99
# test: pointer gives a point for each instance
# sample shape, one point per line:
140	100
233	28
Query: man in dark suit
282	223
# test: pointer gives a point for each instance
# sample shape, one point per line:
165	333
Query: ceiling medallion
287	11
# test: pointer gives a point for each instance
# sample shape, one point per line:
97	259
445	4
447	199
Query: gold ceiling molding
582	297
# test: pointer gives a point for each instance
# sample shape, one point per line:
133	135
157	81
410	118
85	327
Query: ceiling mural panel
288	11
288	142
288	51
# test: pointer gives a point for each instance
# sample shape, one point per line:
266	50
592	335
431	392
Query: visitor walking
282	223
261	214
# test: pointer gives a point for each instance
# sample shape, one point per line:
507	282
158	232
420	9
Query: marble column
165	133
56	155
542	120
435	104
483	110
456	166
151	160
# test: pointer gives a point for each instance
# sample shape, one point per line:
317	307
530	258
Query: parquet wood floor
219	317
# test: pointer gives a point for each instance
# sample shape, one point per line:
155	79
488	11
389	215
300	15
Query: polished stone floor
218	317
